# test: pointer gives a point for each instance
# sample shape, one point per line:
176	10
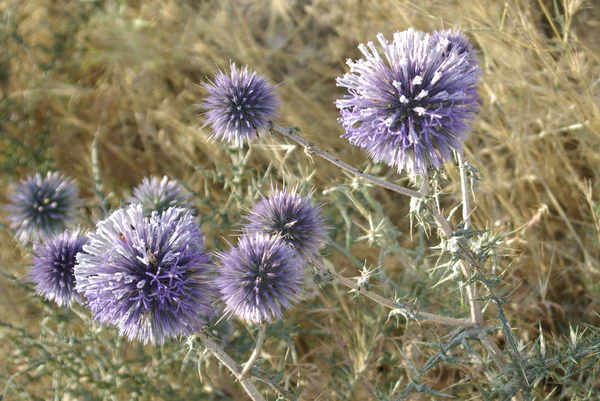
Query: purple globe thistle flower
41	206
155	195
456	41
53	263
148	276
239	105
410	109
294	218
259	278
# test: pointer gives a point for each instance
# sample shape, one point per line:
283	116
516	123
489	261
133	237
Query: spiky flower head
259	278
456	41
148	276
155	195
53	263
410	108
293	217
42	205
239	105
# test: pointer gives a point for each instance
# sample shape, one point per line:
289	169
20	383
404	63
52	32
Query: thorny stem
514	355
446	230
230	364
311	149
408	311
260	340
466	211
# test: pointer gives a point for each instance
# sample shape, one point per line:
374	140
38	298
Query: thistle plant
148	271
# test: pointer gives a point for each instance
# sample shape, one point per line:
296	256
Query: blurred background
128	72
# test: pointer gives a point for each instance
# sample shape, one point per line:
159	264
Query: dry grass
130	71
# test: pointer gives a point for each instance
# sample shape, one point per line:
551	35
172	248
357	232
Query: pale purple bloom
259	278
294	218
155	195
239	105
53	263
148	276
456	41
410	108
41	206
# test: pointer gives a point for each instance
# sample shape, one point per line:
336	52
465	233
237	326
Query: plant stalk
411	312
260	340
230	364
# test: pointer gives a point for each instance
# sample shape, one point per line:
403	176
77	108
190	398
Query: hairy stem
257	374
311	149
230	364
260	340
407	310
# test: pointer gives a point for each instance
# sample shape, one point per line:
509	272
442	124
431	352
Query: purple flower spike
294	218
411	108
41	206
259	279
148	276
239	105
53	263
155	195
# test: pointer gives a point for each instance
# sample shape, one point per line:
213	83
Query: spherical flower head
239	105
410	108
148	276
42	205
155	195
259	278
294	218
53	263
456	41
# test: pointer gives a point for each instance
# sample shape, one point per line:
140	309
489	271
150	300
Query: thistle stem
411	312
230	364
260	340
466	212
311	149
